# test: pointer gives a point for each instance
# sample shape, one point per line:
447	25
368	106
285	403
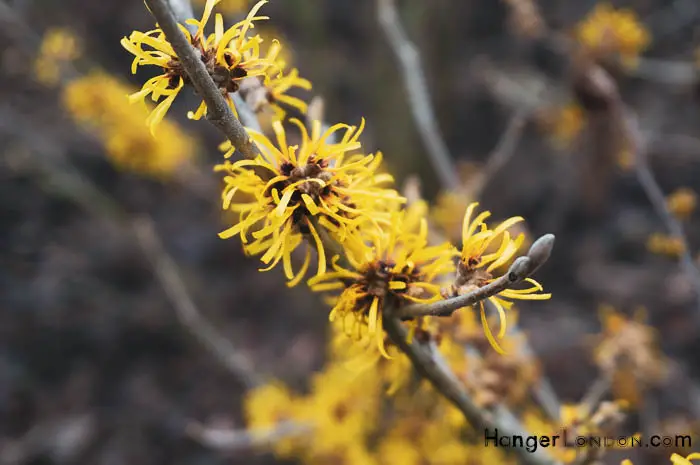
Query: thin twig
65	180
521	268
229	440
595	394
658	200
676	73
426	362
218	111
503	151
167	273
417	92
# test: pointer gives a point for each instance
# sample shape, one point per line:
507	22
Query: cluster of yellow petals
682	202
346	411
388	265
484	251
608	30
289	191
97	102
230	56
664	244
58	47
563	124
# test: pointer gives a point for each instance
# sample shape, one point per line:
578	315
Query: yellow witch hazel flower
476	266
277	87
282	193
607	30
388	266
97	102
229	56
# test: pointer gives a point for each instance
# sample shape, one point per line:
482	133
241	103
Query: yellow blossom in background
443	215
229	7
496	378
607	30
627	352
341	406
282	193
98	102
58	47
229	55
387	266
563	124
663	244
682	202
269	405
476	266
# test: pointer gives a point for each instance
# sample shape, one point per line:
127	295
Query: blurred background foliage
94	366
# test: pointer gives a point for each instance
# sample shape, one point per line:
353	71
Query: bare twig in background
187	312
229	440
63	179
521	268
503	151
658	200
218	111
417	93
427	363
595	393
676	73
245	113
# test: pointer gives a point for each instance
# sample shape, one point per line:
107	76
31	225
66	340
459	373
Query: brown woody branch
218	111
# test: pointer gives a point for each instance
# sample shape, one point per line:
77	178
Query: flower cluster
389	266
291	191
484	251
627	353
682	202
346	410
229	55
96	102
607	30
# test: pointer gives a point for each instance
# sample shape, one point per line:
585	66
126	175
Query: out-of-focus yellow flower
229	7
503	379
341	406
564	124
682	202
289	187
443	213
663	244
626	351
269	405
98	102
388	266
476	266
608	30
229	55
535	422
680	460
58	47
